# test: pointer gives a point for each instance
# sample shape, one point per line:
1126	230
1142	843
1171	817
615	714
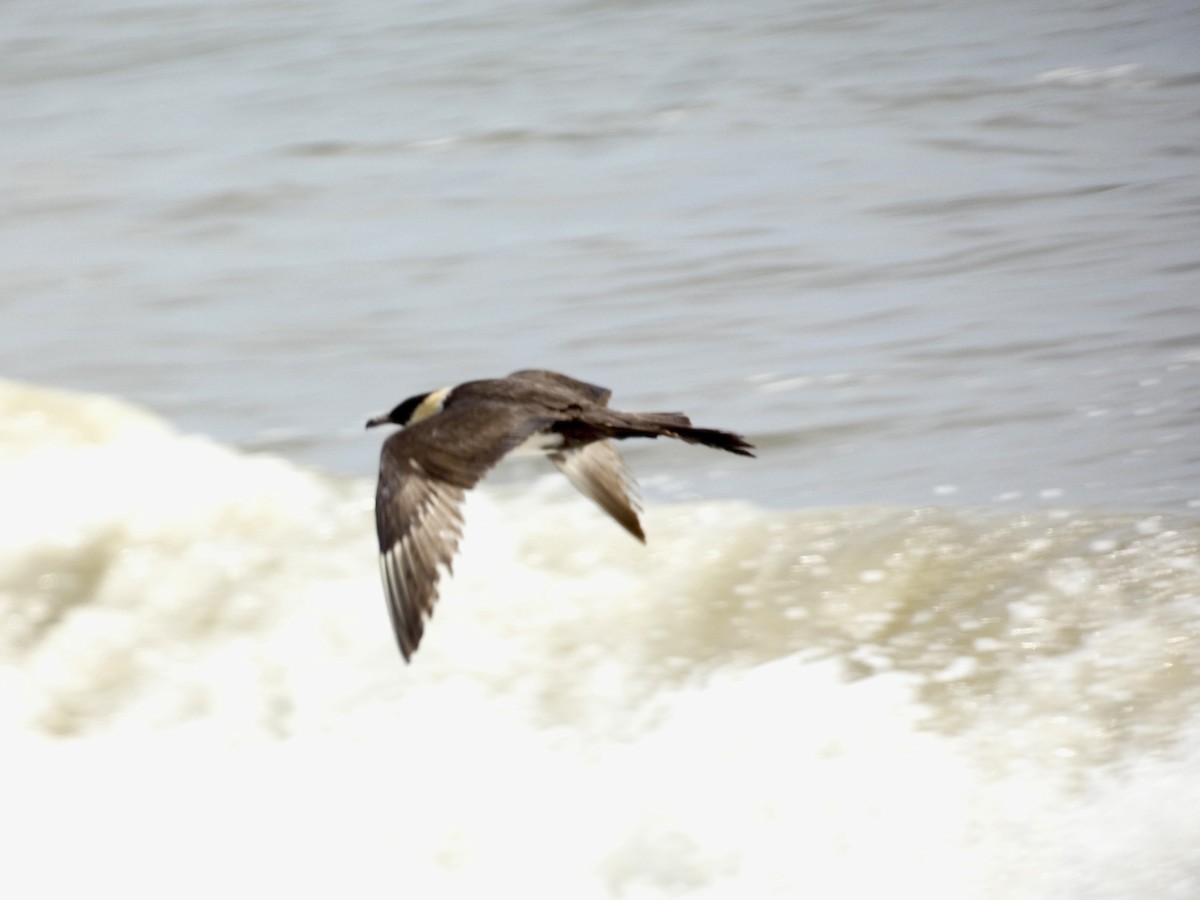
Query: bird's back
532	388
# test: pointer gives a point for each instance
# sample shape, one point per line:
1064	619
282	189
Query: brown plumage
452	437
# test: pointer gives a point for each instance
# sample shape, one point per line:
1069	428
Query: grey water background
924	253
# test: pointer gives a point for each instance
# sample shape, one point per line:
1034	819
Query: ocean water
941	639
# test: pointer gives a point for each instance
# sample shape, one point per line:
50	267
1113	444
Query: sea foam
200	692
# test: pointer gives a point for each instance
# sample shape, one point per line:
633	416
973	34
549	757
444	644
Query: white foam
1123	75
199	689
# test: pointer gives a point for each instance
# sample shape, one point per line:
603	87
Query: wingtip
634	527
404	644
407	647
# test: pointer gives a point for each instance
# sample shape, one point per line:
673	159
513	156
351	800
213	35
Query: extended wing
424	473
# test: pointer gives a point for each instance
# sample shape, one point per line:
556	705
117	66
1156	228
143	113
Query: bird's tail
680	426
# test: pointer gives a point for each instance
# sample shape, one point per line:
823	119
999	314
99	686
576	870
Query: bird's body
453	436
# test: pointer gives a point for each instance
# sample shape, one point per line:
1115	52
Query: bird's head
412	410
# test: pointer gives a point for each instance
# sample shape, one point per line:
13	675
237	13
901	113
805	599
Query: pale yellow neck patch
431	405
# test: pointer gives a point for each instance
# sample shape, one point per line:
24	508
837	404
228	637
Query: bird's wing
424	473
599	473
544	378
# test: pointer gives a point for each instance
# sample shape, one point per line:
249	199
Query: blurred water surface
936	247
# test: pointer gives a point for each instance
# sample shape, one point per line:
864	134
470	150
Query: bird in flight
452	436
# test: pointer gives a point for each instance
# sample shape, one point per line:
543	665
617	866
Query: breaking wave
954	702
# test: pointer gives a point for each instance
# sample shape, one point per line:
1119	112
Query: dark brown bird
452	436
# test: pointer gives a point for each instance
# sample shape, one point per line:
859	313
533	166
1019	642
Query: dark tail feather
711	437
679	426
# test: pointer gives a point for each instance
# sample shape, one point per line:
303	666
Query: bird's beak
378	420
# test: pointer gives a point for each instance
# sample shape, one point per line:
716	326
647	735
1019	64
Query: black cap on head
401	414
